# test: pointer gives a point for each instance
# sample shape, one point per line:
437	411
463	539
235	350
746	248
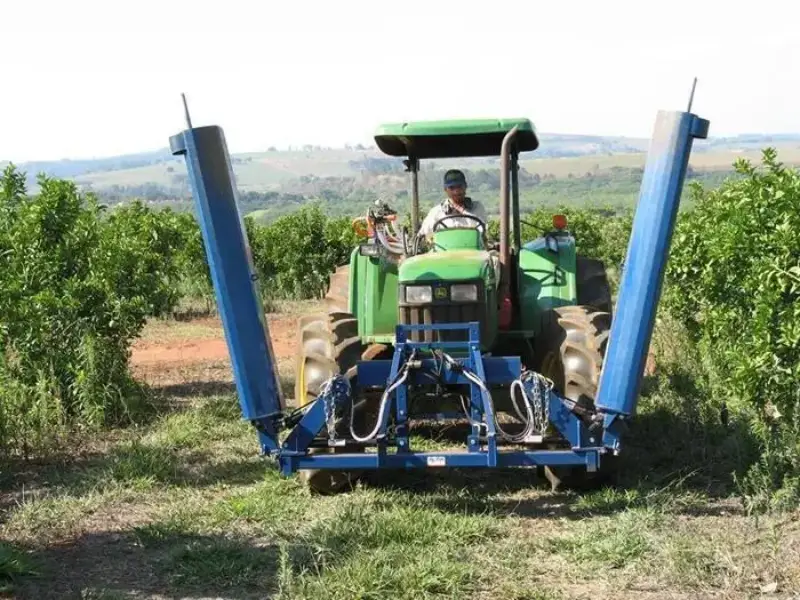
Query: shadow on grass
361	547
191	449
678	455
196	389
78	447
146	562
209	389
140	467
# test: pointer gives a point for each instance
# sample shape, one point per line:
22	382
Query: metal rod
414	166
516	229
505	202
424	460
691	95
186	111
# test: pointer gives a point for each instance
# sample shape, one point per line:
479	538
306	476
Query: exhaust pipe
506	308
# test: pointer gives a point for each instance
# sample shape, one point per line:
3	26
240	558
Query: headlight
464	292
419	293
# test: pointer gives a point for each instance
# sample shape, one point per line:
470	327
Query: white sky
90	78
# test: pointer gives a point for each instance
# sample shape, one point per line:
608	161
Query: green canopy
453	138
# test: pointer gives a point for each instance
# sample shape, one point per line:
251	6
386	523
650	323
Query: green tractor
538	300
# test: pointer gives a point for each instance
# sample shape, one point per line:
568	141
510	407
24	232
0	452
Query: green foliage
295	254
734	281
190	258
599	232
13	564
75	289
146	247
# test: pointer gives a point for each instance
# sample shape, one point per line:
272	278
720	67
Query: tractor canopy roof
453	138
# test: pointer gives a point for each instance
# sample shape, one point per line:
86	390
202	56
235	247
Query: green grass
249	531
610	543
13	564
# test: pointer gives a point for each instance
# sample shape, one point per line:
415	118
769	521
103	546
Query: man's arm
427	224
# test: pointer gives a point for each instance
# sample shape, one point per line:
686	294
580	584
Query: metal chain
539	388
333	389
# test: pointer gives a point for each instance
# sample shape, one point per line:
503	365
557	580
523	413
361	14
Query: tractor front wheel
329	345
571	350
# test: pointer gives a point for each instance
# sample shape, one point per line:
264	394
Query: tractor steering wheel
462	216
481	226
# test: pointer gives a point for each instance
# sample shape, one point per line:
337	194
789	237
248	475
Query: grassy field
182	506
266	171
712	160
254	172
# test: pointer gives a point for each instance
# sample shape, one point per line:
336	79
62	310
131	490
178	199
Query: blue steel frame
482	451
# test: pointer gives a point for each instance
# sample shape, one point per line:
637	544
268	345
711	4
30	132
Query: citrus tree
76	286
734	282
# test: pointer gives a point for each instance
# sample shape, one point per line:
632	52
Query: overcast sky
81	80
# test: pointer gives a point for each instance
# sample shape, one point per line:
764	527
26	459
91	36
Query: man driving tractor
457	203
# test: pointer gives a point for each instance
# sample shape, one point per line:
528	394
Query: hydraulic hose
529	422
391	246
384	406
384	231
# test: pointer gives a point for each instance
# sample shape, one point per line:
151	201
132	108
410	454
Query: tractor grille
443	311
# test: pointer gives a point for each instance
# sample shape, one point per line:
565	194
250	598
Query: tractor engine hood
453	265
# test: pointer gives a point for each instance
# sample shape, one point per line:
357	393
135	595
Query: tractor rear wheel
329	345
337	298
592	283
571	350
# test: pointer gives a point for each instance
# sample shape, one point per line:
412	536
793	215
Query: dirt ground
194	354
162	345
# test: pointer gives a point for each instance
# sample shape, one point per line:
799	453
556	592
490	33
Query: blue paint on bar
229	259
499	370
648	250
417	460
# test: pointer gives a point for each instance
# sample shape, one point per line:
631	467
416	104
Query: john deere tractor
535	299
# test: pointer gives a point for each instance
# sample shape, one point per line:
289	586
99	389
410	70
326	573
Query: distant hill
68	168
559	155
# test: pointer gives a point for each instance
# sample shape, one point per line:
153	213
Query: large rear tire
328	345
571	350
592	283
337	298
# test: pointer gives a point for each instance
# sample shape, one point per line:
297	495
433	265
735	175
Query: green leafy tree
76	286
295	254
734	281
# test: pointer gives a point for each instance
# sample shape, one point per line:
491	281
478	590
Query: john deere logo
440	293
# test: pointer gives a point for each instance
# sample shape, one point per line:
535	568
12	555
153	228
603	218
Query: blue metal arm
229	259
643	273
